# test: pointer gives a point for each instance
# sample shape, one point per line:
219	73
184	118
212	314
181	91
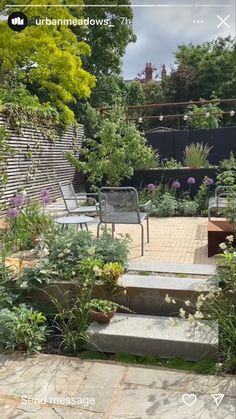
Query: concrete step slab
177	268
151	335
146	294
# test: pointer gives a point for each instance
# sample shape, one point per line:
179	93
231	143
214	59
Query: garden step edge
152	335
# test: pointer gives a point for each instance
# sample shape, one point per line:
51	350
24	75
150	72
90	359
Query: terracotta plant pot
100	317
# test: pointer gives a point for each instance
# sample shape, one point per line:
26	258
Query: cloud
160	30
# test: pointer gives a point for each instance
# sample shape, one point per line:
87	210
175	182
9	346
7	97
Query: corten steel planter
100	317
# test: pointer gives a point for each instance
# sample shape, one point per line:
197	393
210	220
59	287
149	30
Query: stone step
175	268
151	335
146	294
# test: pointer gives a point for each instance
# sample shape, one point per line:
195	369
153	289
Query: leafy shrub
195	155
112	250
22	328
167	206
206	116
188	208
27	221
229	163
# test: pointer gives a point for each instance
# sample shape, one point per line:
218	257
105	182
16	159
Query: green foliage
202	196
170	163
227	178
188	207
52	70
118	150
202	70
22	328
29	225
103	306
195	155
230	163
6	151
205	366
167	206
135	93
206	116
113	250
71	322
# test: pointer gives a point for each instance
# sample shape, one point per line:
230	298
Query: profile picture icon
17	21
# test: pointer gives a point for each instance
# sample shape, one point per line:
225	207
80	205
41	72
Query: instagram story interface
118	208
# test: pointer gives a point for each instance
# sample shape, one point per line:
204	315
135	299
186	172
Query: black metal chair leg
98	230
113	230
142	240
148	229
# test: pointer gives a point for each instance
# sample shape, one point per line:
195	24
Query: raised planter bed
217	233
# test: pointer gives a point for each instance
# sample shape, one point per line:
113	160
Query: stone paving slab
165	282
122	391
154	335
177	268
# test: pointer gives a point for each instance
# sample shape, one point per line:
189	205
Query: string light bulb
140	120
208	115
185	117
161	117
232	113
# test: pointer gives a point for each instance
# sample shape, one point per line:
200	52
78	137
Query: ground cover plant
216	305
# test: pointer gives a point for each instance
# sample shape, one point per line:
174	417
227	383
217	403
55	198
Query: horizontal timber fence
172	144
38	161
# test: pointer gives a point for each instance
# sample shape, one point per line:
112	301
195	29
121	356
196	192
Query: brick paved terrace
175	239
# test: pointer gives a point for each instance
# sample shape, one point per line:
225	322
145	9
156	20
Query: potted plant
103	310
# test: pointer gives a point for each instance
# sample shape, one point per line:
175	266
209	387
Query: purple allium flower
151	187
176	185
19	200
191	180
209	181
46	197
12	212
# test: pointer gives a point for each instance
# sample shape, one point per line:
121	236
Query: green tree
206	116
135	93
203	70
46	59
118	150
153	92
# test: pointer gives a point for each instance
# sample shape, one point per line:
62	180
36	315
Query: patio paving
174	239
44	386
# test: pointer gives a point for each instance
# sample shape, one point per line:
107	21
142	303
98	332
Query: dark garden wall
142	178
172	144
38	161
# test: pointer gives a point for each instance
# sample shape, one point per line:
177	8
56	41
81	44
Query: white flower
97	271
191	319
187	303
199	305
125	291
199	315
182	313
73	273
60	255
45	252
91	250
173	301
222	246
167	299
172	321
23	284
201	297
230	238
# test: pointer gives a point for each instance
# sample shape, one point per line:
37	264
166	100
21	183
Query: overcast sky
160	30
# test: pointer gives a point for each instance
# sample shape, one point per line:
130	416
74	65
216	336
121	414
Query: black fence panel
172	144
142	178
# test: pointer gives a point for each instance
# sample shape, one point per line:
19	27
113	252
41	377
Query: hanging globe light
232	113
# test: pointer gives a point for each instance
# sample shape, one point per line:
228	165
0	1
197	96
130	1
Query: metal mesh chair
72	203
221	199
120	205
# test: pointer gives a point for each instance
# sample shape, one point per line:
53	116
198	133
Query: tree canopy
46	59
203	71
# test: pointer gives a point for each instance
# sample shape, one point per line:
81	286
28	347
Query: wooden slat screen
46	167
